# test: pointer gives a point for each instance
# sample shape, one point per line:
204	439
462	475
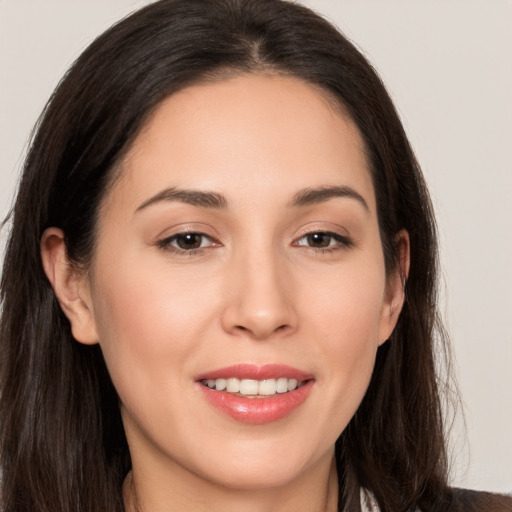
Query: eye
324	241
186	242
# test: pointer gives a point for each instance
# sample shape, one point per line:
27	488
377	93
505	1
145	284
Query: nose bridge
260	304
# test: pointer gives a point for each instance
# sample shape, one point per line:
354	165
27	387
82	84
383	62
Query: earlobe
69	285
395	292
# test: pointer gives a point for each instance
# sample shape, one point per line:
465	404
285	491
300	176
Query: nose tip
260	304
261	325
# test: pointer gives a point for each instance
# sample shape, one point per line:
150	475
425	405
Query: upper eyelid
323	226
344	239
325	230
336	232
187	232
332	234
207	235
166	244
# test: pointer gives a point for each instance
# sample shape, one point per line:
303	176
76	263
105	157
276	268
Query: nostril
259	331
258	319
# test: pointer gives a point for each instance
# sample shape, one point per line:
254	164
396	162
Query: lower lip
257	410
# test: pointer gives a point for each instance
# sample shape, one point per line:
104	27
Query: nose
260	299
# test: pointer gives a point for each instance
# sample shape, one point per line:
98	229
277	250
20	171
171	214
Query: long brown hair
62	444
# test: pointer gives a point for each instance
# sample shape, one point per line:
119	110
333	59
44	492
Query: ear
395	288
70	285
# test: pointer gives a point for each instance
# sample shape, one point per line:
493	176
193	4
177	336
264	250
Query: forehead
258	132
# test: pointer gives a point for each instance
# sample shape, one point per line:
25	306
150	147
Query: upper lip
256	372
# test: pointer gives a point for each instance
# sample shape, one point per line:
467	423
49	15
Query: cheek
345	320
348	304
147	319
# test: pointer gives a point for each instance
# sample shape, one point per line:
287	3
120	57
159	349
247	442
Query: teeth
220	384
250	387
267	387
282	385
232	385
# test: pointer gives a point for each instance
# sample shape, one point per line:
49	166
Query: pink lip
257	410
252	371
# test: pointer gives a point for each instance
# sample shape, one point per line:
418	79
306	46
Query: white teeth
282	385
220	384
267	387
250	387
232	385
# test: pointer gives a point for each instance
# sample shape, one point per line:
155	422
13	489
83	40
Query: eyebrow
202	199
193	197
310	196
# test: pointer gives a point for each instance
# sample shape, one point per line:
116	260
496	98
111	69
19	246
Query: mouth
251	388
256	394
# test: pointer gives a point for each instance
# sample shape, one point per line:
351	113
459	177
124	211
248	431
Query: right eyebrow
194	197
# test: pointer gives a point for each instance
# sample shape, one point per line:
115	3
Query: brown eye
324	240
320	240
186	242
189	241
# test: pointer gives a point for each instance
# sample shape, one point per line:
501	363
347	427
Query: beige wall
448	67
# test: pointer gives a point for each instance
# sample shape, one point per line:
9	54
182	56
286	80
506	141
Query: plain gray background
447	64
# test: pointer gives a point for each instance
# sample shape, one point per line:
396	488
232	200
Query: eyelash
343	242
165	244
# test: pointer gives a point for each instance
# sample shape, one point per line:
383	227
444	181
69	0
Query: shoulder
458	500
480	501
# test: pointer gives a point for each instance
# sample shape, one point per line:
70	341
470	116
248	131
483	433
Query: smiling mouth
251	388
279	390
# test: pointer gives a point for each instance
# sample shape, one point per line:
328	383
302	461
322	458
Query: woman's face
240	242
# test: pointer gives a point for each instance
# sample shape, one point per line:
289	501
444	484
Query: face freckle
182	287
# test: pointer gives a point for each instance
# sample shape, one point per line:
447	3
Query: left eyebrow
310	196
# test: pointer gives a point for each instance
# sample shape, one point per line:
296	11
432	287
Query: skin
257	291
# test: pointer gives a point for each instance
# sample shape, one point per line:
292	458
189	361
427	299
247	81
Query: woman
219	288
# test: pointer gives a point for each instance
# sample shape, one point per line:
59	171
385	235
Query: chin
264	467
266	475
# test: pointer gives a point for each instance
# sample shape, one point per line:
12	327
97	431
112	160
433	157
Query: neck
315	490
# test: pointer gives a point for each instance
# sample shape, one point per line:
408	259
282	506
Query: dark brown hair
62	444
